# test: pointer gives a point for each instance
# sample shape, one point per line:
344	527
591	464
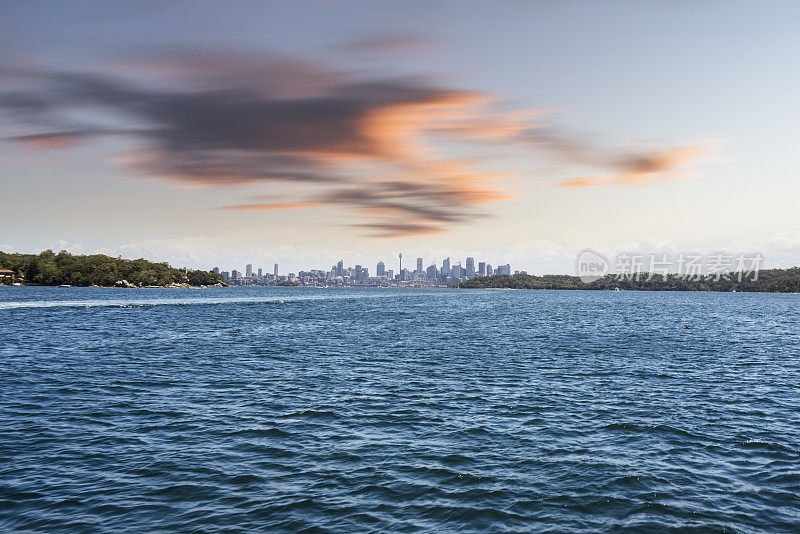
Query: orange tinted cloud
381	149
651	167
51	141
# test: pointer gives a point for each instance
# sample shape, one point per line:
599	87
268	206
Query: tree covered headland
51	269
768	281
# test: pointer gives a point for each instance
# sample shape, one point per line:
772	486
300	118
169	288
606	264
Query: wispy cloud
373	146
655	166
272	206
389	43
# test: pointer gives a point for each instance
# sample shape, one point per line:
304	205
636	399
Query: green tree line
51	269
768	281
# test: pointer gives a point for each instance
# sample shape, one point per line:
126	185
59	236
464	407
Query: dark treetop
769	281
50	269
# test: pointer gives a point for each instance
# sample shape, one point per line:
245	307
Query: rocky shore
174	285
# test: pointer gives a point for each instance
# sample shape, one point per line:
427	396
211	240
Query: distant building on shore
470	268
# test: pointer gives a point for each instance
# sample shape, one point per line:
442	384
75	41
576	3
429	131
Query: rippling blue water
291	409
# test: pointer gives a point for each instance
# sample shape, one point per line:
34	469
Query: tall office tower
380	270
419	265
489	271
340	268
248	271
235	274
482	268
226	276
215	270
446	267
357	273
390	274
504	269
456	271
431	273
260	272
364	273
470	267
275	269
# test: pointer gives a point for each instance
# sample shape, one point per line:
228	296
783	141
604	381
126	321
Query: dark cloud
228	119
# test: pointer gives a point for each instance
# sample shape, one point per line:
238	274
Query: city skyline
357	274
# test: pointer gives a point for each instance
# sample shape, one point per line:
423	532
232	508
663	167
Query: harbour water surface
301	409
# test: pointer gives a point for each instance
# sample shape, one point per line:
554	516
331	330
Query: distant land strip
767	281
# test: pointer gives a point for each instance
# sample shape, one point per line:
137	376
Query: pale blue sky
622	78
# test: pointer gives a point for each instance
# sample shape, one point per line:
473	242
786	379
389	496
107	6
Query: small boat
65	285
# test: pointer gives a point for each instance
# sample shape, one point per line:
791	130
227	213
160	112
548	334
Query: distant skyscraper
340	268
235	274
470	267
489	271
419	265
260	272
482	268
216	270
446	267
275	269
504	269
357	273
248	271
380	270
431	273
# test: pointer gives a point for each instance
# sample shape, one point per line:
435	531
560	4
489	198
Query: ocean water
382	410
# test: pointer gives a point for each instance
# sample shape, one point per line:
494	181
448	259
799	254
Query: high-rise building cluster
358	275
250	276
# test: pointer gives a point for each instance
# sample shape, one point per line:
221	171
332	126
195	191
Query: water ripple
288	409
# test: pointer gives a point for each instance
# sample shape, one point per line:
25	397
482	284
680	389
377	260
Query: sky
218	134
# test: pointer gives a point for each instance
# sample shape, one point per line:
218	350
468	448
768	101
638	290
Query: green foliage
204	278
48	268
769	280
